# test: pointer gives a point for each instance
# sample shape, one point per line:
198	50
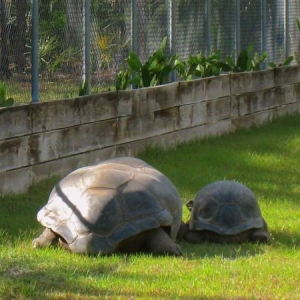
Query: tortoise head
190	205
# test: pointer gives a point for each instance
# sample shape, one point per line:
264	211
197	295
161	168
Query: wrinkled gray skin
120	205
225	212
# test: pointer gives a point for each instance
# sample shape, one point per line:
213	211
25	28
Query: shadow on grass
234	251
290	240
261	157
228	251
18	213
19	281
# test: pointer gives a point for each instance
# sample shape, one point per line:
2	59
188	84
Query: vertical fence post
287	28
208	25
86	67
172	32
35	52
237	28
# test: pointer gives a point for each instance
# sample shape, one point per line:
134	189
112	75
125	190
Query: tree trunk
4	34
20	42
74	22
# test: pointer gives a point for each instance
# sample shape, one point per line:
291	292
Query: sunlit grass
267	159
51	89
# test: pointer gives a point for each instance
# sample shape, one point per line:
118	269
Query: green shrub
155	71
201	66
83	89
3	100
286	62
247	61
296	53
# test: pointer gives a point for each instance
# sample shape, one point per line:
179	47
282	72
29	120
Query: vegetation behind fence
79	39
56	137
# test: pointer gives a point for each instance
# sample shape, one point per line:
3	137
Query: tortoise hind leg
158	242
154	241
47	238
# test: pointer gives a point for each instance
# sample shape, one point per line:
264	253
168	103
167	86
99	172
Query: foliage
107	45
53	18
83	89
52	57
52	34
61	60
286	62
109	14
4	101
122	80
247	61
155	71
201	66
110	40
158	67
47	46
297	58
104	43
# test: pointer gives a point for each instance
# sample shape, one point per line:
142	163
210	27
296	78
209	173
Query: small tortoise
225	212
120	205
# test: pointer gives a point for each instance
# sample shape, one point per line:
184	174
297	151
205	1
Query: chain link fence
90	39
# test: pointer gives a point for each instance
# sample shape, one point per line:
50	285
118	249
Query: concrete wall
54	138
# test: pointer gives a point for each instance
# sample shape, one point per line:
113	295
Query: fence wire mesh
70	35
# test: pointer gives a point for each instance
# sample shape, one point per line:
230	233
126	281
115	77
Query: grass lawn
50	88
266	159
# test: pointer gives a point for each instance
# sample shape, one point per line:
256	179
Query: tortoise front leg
158	242
260	235
47	238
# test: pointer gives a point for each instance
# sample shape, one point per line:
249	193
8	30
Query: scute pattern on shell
95	208
226	208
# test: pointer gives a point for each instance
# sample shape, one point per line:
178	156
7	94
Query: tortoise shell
226	208
97	207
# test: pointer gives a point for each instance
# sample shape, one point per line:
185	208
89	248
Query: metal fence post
287	28
35	52
172	33
86	67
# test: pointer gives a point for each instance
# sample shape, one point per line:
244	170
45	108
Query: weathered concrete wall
43	139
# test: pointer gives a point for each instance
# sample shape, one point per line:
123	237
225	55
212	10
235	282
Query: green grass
267	159
49	89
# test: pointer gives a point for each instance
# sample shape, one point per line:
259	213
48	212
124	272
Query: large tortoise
119	205
225	212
